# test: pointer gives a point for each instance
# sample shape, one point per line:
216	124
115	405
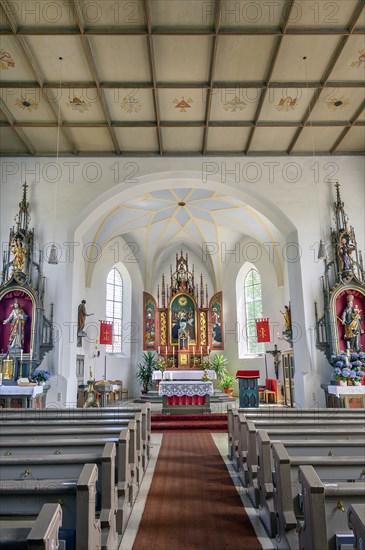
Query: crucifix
276	354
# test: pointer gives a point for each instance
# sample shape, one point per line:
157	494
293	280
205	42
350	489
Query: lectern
248	388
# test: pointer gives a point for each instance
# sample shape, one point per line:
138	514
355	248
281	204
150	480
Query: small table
188	397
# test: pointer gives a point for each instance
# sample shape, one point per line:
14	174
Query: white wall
282	189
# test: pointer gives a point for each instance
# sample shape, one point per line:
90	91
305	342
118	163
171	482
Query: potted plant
145	370
219	364
348	368
41	376
226	384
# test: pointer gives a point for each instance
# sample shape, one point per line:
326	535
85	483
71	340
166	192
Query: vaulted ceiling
168	219
187	77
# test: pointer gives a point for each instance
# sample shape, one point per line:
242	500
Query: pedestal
104	389
248	388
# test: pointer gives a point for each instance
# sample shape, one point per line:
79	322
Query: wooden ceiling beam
327	73
34	68
92	66
10	124
346	130
152	63
213	60
274	58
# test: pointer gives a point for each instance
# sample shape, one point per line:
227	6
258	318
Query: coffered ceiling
187	77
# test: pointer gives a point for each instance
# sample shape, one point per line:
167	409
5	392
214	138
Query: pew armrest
44	533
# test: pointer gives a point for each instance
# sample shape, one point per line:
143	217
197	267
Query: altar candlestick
105	367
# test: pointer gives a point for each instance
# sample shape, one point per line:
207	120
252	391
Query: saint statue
81	318
20	253
351	319
344	251
287	317
17	320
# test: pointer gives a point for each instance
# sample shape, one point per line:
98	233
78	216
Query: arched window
253	309
114	308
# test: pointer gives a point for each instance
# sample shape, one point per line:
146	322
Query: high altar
183	325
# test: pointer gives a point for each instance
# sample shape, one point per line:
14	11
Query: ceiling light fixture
181	203
53	257
322	253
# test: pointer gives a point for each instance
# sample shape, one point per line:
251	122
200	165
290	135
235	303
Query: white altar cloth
29	391
182	375
186	388
346	390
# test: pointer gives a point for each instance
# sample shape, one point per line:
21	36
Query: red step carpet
208	422
192	503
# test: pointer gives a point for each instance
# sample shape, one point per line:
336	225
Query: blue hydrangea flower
339	364
346	373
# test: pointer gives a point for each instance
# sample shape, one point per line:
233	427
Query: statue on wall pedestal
81	320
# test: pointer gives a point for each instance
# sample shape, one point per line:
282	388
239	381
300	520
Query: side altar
26	334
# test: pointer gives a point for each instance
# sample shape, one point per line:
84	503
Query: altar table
186	397
348	397
182	374
25	397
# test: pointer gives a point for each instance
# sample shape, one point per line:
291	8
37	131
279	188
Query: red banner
262	330
106	333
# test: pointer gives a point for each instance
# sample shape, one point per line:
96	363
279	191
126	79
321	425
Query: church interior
182	222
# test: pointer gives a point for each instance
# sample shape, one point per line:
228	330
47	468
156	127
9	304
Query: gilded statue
19	251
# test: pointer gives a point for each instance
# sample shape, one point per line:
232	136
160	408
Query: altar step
206	422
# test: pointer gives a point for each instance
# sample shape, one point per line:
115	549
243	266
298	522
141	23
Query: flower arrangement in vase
41	376
348	367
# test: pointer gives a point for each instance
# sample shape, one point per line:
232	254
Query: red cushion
248	374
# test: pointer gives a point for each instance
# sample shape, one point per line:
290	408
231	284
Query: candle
201	350
171	376
173	350
21	355
31	353
158	350
193	350
165	350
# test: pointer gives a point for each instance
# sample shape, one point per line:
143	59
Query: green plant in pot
219	364
226	383
145	369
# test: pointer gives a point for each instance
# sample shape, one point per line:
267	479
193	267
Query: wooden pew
287	490
356	522
324	508
70	467
41	534
25	498
41	431
246	453
127	486
283	414
126	412
307	449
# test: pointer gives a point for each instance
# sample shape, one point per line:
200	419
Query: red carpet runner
192	503
210	422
